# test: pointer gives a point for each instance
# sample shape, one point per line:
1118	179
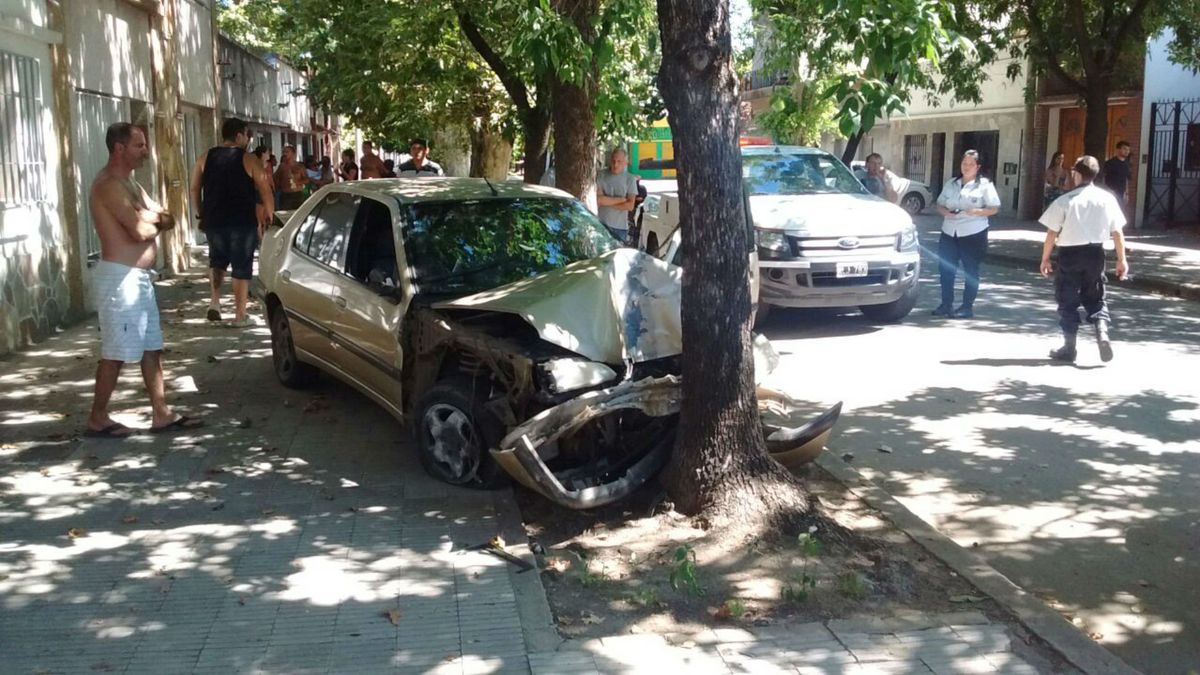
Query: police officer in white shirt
1079	222
965	204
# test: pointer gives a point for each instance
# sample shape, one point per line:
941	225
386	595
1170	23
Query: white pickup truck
823	240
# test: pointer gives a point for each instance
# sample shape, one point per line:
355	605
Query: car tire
291	371
913	202
895	310
454	434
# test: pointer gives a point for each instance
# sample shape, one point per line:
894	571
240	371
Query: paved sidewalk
1161	261
296	533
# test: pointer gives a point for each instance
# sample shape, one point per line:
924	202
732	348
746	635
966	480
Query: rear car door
369	303
312	266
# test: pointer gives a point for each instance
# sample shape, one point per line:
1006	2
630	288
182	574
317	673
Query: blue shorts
232	247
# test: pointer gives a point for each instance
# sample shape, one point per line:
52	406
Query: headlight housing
907	239
562	375
772	241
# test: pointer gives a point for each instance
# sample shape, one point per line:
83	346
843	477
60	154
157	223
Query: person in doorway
1058	178
965	203
1116	172
879	181
290	180
616	194
128	222
370	166
1079	223
234	194
419	164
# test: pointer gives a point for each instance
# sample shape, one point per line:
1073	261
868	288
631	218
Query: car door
312	266
369	304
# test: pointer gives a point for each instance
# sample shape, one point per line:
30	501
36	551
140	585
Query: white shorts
129	324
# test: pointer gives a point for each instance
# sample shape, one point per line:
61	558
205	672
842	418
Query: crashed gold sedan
504	324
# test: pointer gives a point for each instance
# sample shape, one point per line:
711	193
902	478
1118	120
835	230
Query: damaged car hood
622	306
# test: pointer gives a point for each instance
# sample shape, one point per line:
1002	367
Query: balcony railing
761	79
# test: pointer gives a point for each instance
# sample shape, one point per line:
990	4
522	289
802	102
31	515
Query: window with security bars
914	157
22	144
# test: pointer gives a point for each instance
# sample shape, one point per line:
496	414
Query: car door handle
339	301
286	275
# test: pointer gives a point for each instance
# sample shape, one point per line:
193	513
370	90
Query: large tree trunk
491	153
1095	126
720	466
452	148
536	131
575	112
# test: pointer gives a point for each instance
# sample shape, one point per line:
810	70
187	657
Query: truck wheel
895	310
292	372
455	434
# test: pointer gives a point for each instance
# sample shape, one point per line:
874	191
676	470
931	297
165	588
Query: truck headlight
907	239
772	241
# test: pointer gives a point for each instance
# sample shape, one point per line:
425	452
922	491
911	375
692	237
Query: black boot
1067	351
1102	340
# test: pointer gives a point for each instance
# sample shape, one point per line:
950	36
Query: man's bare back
126	219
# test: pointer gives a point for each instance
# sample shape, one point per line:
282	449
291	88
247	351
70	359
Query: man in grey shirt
616	194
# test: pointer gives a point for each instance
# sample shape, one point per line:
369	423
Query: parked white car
822	239
914	195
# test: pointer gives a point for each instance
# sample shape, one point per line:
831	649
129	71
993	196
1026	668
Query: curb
1062	636
533	608
1151	284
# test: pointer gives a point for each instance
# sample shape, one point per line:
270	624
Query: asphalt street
1081	482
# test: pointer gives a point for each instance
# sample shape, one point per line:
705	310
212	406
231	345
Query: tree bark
536	132
720	466
575	111
1095	125
491	154
851	149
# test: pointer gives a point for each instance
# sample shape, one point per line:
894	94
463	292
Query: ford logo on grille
848	242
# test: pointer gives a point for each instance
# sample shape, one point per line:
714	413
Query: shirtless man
370	166
128	221
290	180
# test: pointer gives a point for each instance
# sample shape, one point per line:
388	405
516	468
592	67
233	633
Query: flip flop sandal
184	422
114	430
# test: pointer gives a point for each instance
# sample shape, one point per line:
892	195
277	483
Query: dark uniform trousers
1080	281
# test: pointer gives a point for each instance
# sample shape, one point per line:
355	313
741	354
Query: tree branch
1132	21
1044	41
1082	43
516	89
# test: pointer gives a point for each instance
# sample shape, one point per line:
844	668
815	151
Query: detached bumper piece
791	440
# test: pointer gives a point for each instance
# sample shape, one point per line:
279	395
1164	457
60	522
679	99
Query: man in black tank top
234	203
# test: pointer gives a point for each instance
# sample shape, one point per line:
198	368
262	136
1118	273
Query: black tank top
227	193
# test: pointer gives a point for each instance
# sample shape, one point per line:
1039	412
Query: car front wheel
291	372
455	433
913	202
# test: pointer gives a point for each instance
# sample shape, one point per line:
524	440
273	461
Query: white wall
108	45
997	91
193	32
32	12
1164	81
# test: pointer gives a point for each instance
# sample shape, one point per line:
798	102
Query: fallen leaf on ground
244	423
215	470
212	359
393	615
559	565
129	520
847	456
965	598
590	618
1096	636
76	532
242	600
157	521
885	449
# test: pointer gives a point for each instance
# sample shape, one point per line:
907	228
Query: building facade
69	69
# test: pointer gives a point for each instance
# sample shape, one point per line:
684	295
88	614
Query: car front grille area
845	248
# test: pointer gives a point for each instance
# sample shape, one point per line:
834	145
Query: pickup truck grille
825	248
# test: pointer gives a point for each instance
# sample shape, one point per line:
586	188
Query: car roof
441	189
755	150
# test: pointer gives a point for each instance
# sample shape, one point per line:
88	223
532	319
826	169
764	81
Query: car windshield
783	174
460	248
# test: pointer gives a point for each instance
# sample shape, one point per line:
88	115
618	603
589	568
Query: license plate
851	269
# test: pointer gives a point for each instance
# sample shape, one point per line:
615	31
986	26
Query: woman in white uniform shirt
965	204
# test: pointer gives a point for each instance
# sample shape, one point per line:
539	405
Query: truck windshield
783	174
461	248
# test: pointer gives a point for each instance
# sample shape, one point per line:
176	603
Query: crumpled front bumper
789	440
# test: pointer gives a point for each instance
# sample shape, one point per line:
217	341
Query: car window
470	246
371	256
331	228
782	174
304	232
